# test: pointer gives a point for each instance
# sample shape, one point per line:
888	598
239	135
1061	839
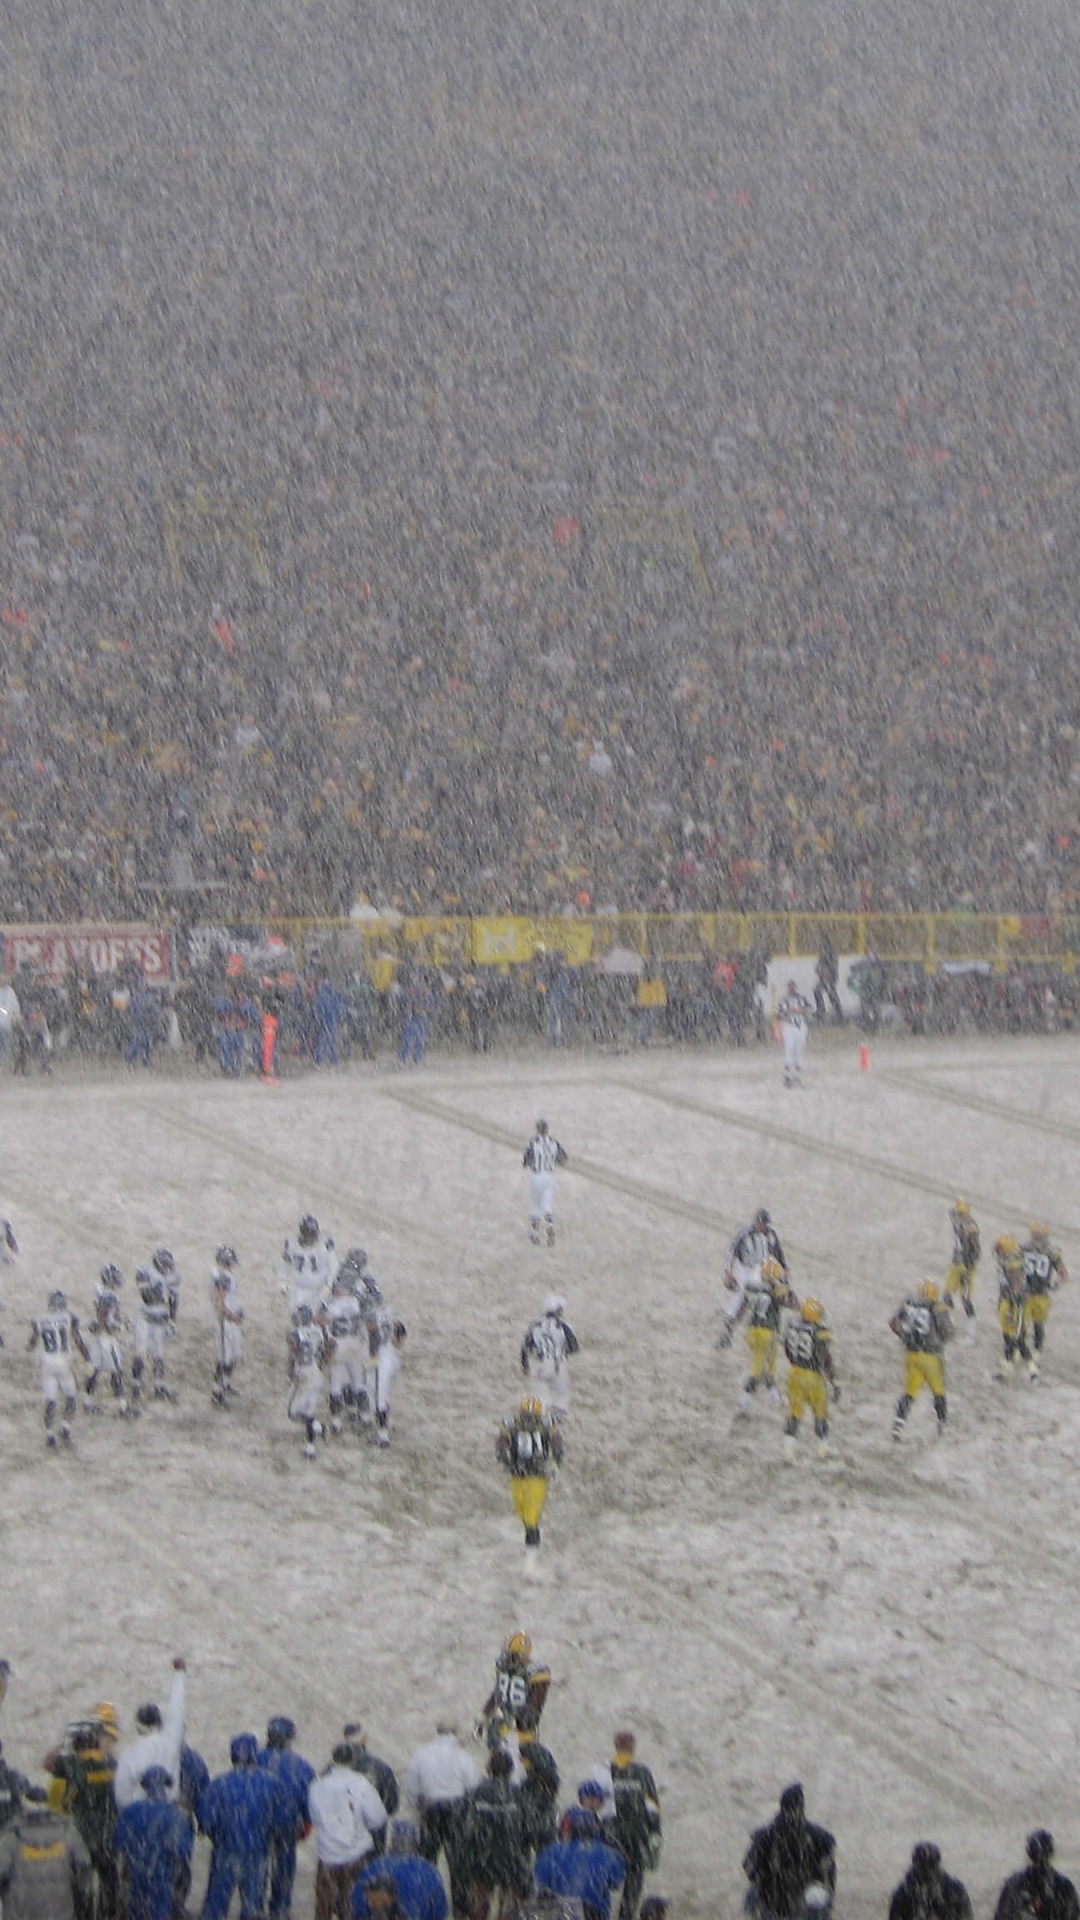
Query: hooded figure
791	1865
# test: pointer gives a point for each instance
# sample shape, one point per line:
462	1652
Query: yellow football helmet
961	1207
928	1290
532	1407
519	1645
813	1310
1007	1246
772	1272
1039	1231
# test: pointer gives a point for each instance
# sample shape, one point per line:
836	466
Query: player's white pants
307	1392
349	1367
380	1377
229	1340
57	1378
552	1383
106	1353
794	1039
541	1196
150	1338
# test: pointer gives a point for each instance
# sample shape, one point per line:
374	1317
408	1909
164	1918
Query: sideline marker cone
864	1058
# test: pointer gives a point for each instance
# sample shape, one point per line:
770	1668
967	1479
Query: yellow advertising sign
515	940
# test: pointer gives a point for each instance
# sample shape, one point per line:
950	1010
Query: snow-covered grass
896	1626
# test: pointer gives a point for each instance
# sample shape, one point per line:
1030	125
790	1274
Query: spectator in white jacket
440	1775
345	1812
159	1744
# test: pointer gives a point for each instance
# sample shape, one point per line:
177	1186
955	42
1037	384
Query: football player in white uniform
308	1353
228	1323
308	1265
793	1014
164	1265
386	1337
545	1350
355	1265
57	1334
105	1337
152	1329
343	1318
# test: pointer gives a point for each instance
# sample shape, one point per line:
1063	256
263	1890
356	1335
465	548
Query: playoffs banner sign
87	949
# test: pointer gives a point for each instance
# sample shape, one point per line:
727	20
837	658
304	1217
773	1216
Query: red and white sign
84	948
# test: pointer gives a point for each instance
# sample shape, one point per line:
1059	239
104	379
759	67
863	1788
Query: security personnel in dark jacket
494	1841
12	1787
1039	1892
379	1772
928	1893
790	1864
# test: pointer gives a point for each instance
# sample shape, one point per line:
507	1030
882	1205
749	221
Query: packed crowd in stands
415	758
582	566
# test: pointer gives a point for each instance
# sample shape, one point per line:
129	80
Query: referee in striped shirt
541	1158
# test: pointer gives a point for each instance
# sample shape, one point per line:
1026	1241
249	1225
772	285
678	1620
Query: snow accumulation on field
894	1626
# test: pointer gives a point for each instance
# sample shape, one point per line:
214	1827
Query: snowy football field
897	1627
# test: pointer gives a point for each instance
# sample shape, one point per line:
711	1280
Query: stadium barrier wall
927	939
617	942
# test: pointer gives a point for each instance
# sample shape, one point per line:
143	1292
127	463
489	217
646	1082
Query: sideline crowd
112	1836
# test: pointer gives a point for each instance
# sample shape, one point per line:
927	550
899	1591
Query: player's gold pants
924	1370
1012	1316
960	1279
529	1491
807	1393
764	1345
1036	1315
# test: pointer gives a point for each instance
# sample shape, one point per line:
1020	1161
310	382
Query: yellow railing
679	938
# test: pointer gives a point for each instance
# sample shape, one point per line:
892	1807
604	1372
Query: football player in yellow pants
808	1346
529	1445
1012	1305
967	1248
767	1294
923	1323
1044	1272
